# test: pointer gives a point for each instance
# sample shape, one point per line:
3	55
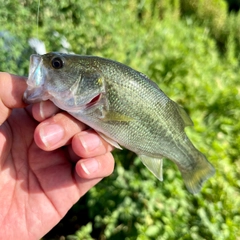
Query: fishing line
38	15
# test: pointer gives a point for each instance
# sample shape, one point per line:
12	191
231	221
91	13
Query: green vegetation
191	49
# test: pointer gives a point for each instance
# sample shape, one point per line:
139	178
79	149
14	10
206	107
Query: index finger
12	88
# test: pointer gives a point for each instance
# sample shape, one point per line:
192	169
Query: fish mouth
37	77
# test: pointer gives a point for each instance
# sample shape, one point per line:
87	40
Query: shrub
176	43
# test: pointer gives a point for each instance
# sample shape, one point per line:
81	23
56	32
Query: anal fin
154	165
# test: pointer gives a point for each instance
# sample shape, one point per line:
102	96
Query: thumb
12	88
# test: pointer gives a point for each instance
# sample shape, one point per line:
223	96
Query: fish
124	106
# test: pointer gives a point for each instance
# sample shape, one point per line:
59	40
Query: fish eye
57	63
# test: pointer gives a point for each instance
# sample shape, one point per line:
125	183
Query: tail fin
195	178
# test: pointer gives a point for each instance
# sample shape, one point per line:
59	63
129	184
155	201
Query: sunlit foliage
191	50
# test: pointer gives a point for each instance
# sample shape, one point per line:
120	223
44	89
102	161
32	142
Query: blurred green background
191	49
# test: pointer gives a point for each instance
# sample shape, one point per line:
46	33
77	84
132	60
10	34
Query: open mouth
36	76
35	81
35	60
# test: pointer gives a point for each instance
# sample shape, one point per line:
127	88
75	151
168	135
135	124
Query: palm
38	187
41	185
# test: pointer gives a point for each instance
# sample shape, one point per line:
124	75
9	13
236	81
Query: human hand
41	174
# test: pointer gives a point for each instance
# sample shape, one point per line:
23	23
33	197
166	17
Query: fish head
72	82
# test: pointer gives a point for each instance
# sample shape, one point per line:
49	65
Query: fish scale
124	106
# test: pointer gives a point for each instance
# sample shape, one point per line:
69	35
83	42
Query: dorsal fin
186	119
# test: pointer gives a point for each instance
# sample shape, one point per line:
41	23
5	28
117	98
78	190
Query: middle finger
89	144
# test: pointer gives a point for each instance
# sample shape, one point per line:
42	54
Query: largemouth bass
124	106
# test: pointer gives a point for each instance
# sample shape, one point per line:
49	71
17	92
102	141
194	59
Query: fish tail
195	178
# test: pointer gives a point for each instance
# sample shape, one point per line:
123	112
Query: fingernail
47	109
89	141
90	165
51	134
41	110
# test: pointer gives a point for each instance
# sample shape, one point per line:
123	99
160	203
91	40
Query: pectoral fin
154	165
116	117
110	141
